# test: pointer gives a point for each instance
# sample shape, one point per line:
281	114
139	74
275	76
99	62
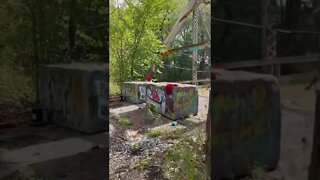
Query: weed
258	173
136	146
154	134
154	114
185	161
125	121
173	134
143	164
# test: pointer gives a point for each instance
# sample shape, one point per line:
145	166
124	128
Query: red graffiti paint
169	88
155	96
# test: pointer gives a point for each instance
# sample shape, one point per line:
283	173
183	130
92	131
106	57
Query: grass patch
154	134
186	160
173	134
125	121
143	164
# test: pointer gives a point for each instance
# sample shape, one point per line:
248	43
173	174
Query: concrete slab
47	151
75	96
126	109
83	166
246	121
135	91
173	100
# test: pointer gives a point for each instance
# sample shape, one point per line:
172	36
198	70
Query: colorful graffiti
60	96
245	128
185	101
98	97
173	101
142	92
156	97
135	92
74	98
102	91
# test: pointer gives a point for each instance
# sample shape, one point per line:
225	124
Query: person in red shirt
150	75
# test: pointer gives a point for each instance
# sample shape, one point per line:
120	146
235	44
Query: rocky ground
140	149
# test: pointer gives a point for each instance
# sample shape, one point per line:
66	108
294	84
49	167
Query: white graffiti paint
102	92
156	97
142	91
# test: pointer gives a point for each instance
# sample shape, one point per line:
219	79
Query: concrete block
135	92
173	100
75	96
246	123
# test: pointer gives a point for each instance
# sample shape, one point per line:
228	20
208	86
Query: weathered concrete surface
47	151
135	92
125	109
173	100
83	166
75	95
246	123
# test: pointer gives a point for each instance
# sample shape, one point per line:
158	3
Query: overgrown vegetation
138	30
125	121
186	160
143	163
154	134
36	32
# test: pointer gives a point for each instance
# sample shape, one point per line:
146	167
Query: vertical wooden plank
314	168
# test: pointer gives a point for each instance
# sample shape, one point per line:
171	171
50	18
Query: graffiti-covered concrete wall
173	100
135	92
75	95
246	123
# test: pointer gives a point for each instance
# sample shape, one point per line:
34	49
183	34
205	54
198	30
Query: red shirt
149	77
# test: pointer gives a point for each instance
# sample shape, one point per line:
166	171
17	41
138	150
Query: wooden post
314	168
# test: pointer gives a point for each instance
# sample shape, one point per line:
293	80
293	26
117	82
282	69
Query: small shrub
125	121
154	134
143	164
258	173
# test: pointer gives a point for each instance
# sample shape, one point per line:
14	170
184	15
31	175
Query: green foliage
154	134
173	134
258	173
186	160
125	121
114	88
35	32
16	85
143	164
135	38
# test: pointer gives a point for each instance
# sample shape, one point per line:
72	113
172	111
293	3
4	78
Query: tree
136	29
